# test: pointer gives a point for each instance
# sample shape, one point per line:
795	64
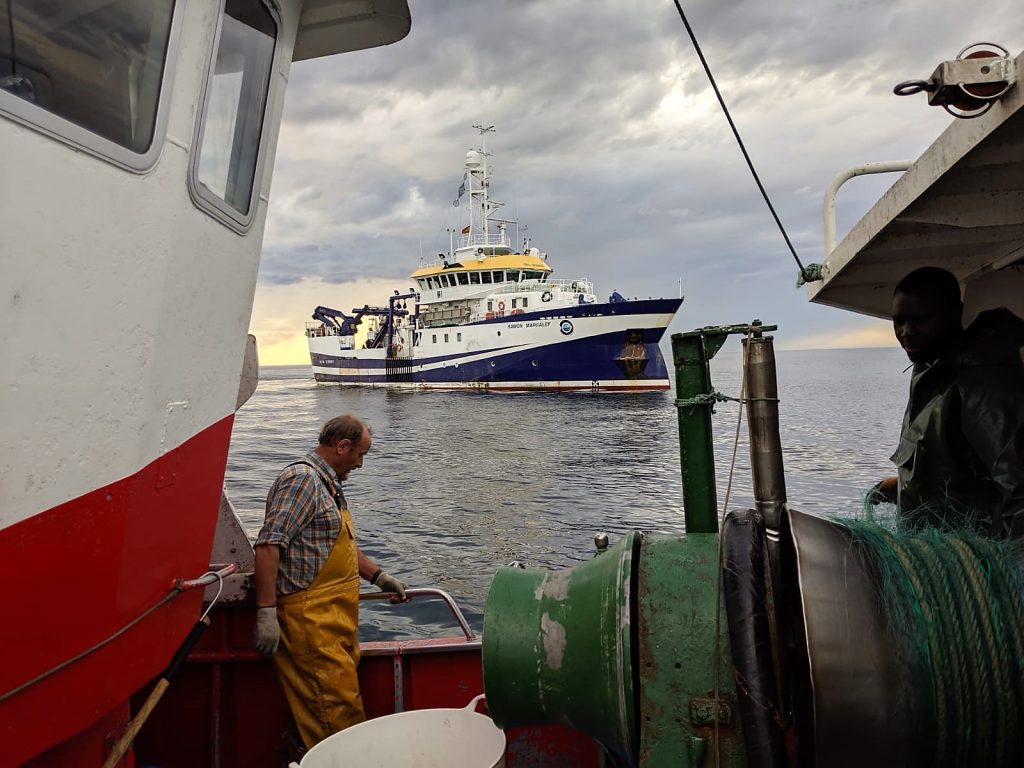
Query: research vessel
488	314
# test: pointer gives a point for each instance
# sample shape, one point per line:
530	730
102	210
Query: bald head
344	441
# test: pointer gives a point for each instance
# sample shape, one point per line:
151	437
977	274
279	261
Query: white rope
721	536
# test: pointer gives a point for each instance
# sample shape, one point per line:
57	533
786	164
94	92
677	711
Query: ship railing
321	329
439	594
568	286
491	239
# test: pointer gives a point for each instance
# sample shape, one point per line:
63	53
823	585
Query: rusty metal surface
677	641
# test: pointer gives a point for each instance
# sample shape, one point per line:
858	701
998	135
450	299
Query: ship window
513	303
474	278
525	300
463	278
499	276
458	337
434	335
511	276
490	305
446	338
485	276
88	71
231	127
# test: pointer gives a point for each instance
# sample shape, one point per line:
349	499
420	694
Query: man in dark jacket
961	453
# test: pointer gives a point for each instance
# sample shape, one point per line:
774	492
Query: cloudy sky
610	147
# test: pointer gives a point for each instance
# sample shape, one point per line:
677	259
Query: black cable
736	133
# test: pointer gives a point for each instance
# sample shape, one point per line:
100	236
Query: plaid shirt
303	519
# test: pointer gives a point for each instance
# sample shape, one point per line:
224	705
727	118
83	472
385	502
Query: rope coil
954	610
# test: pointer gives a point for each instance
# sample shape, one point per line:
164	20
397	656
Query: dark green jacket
961	453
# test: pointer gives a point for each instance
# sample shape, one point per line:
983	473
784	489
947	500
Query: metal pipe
766	464
429	592
769	479
842	178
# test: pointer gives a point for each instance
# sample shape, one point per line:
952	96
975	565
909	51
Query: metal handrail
829	206
428	592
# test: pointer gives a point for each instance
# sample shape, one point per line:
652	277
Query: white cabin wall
120	337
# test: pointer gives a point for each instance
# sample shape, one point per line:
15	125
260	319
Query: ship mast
484	181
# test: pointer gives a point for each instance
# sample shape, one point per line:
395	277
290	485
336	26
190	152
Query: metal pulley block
970	84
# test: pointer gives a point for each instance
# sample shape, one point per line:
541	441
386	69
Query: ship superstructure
485	315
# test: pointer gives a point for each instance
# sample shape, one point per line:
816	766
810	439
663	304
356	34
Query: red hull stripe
81	571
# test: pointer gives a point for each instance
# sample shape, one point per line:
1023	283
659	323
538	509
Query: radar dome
473	159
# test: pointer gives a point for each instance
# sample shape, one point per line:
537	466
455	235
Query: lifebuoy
501	306
546	296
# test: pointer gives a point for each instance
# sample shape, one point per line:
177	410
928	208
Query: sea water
459	483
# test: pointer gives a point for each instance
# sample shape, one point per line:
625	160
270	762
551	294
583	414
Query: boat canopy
328	27
525	261
960	206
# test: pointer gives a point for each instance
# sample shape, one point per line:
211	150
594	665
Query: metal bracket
702	710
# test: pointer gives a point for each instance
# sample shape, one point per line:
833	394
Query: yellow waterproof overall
316	660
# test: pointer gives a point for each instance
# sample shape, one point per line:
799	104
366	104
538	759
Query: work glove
267	633
388	583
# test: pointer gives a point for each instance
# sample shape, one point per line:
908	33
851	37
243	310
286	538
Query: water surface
458	483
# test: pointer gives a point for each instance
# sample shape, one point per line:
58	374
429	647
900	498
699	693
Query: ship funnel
559	646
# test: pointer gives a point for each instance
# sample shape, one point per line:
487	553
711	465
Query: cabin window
525	301
446	338
485	277
490	305
458	337
474	278
533	275
231	125
89	72
511	277
513	303
434	335
463	278
499	276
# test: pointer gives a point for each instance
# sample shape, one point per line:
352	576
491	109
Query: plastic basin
423	738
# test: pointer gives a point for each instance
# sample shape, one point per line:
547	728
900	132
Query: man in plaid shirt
307	583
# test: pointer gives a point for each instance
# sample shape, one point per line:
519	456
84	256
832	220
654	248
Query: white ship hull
602	347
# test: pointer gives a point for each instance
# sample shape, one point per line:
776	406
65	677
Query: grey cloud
611	182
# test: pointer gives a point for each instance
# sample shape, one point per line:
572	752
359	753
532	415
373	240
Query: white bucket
423	738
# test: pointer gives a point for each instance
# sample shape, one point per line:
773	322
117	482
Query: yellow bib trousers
319	651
